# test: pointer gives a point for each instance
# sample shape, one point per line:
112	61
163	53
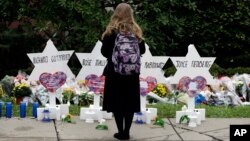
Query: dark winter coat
121	92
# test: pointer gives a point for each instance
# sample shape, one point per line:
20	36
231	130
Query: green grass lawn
169	110
165	110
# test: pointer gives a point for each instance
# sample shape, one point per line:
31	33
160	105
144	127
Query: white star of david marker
152	66
192	65
92	63
50	60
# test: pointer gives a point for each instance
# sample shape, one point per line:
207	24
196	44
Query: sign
191	87
239	132
94	63
52	81
50	60
152	66
192	65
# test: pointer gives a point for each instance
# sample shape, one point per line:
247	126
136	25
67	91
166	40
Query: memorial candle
8	110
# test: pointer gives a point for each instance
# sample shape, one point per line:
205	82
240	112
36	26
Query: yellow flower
68	94
160	90
68	90
1	91
68	118
21	90
81	82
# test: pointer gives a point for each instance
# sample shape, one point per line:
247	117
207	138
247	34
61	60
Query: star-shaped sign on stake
50	60
192	65
152	66
92	63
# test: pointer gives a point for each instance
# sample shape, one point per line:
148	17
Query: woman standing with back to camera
121	92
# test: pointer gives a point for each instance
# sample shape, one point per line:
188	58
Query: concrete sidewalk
28	129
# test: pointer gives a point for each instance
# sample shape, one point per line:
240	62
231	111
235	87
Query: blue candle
0	109
34	109
8	110
22	110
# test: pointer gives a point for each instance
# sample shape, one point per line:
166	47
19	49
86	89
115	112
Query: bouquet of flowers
68	94
68	118
7	84
85	99
173	95
21	90
160	90
81	83
1	92
238	85
159	122
102	126
238	89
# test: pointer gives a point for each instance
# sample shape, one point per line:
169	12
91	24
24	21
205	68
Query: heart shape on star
95	83
147	85
52	81
192	86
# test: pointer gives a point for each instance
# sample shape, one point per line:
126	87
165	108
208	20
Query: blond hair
122	20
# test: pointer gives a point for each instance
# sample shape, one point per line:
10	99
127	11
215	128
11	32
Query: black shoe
118	136
121	136
126	136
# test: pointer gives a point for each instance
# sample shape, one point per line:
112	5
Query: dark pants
121	118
